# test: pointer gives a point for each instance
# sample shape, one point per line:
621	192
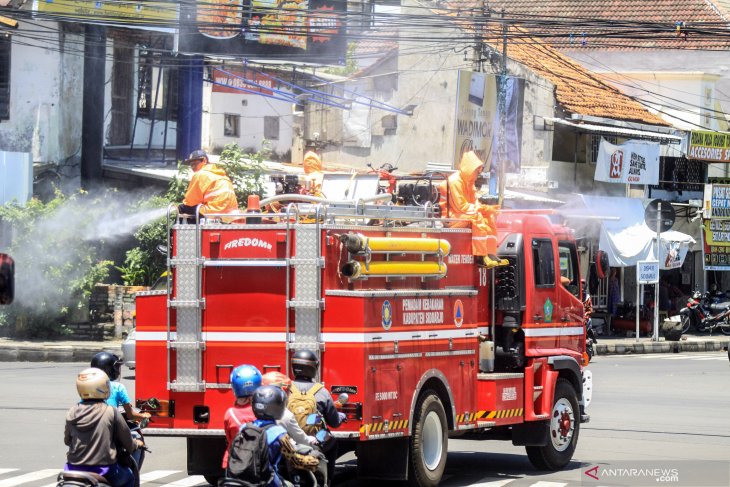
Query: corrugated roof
630	19
577	90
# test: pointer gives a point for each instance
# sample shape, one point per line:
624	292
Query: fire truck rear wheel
563	432
429	443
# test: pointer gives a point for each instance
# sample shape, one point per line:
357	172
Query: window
231	125
157	78
5	47
271	128
569	267
595	143
543	262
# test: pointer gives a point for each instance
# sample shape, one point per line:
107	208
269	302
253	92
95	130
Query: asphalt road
665	409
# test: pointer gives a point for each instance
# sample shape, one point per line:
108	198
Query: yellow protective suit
313	169
211	188
459	200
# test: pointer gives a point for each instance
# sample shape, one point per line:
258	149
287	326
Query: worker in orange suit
210	189
459	201
313	170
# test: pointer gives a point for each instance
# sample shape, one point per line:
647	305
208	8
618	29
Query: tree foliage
56	270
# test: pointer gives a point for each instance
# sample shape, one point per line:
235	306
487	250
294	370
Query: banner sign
717	201
709	146
227	80
634	162
149	15
297	30
716	245
478	122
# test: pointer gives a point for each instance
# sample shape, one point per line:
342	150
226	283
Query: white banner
635	162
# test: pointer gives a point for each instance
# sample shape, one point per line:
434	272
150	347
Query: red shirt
234	418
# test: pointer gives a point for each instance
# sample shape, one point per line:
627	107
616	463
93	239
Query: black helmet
109	363
304	364
269	402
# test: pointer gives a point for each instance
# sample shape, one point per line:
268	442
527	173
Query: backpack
302	404
248	457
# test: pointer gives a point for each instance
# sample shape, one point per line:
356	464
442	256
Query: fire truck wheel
429	443
563	433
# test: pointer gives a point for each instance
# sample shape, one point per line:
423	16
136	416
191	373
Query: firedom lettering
248	242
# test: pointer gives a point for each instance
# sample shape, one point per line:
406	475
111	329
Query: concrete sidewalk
54	351
622	345
82	351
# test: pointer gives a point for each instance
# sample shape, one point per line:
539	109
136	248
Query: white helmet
93	383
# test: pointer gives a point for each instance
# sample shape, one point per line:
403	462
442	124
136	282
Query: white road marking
542	483
156	475
493	483
188	482
29	477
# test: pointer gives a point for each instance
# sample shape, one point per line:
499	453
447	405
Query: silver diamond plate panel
307	287
188	346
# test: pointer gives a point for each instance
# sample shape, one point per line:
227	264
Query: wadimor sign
634	162
709	146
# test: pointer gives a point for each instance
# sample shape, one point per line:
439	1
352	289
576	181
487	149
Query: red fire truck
426	342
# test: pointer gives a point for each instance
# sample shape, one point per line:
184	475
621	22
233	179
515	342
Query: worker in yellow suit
313	170
459	201
210	189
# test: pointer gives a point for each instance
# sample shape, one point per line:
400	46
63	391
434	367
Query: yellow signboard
114	12
709	146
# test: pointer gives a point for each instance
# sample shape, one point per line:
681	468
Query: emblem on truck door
548	310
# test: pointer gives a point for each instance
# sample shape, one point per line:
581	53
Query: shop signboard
705	145
295	30
634	162
478	125
159	16
716	227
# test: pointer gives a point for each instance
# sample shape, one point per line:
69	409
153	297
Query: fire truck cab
426	342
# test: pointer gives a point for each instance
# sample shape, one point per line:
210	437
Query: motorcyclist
269	403
94	429
304	367
288	421
111	364
245	379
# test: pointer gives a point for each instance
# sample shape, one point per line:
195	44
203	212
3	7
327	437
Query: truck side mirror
7	279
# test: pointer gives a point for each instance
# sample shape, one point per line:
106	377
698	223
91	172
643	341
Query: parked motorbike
704	315
77	478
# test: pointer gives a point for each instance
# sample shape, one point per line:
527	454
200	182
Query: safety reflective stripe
553	331
336	337
218	192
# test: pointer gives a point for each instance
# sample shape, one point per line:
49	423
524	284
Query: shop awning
590	128
623	235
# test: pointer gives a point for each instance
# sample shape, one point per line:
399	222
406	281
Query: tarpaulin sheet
624	235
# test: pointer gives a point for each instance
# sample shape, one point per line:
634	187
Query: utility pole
92	121
479	32
502	101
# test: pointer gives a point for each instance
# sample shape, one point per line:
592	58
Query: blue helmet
244	380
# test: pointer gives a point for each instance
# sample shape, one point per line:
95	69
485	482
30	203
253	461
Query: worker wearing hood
459	201
210	189
313	170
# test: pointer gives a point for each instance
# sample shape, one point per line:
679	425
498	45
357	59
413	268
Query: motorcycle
704	315
590	339
134	460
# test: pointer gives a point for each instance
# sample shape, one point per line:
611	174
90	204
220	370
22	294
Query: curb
661	347
55	354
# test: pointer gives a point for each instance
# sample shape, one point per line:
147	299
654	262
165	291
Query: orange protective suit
313	169
462	203
211	188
